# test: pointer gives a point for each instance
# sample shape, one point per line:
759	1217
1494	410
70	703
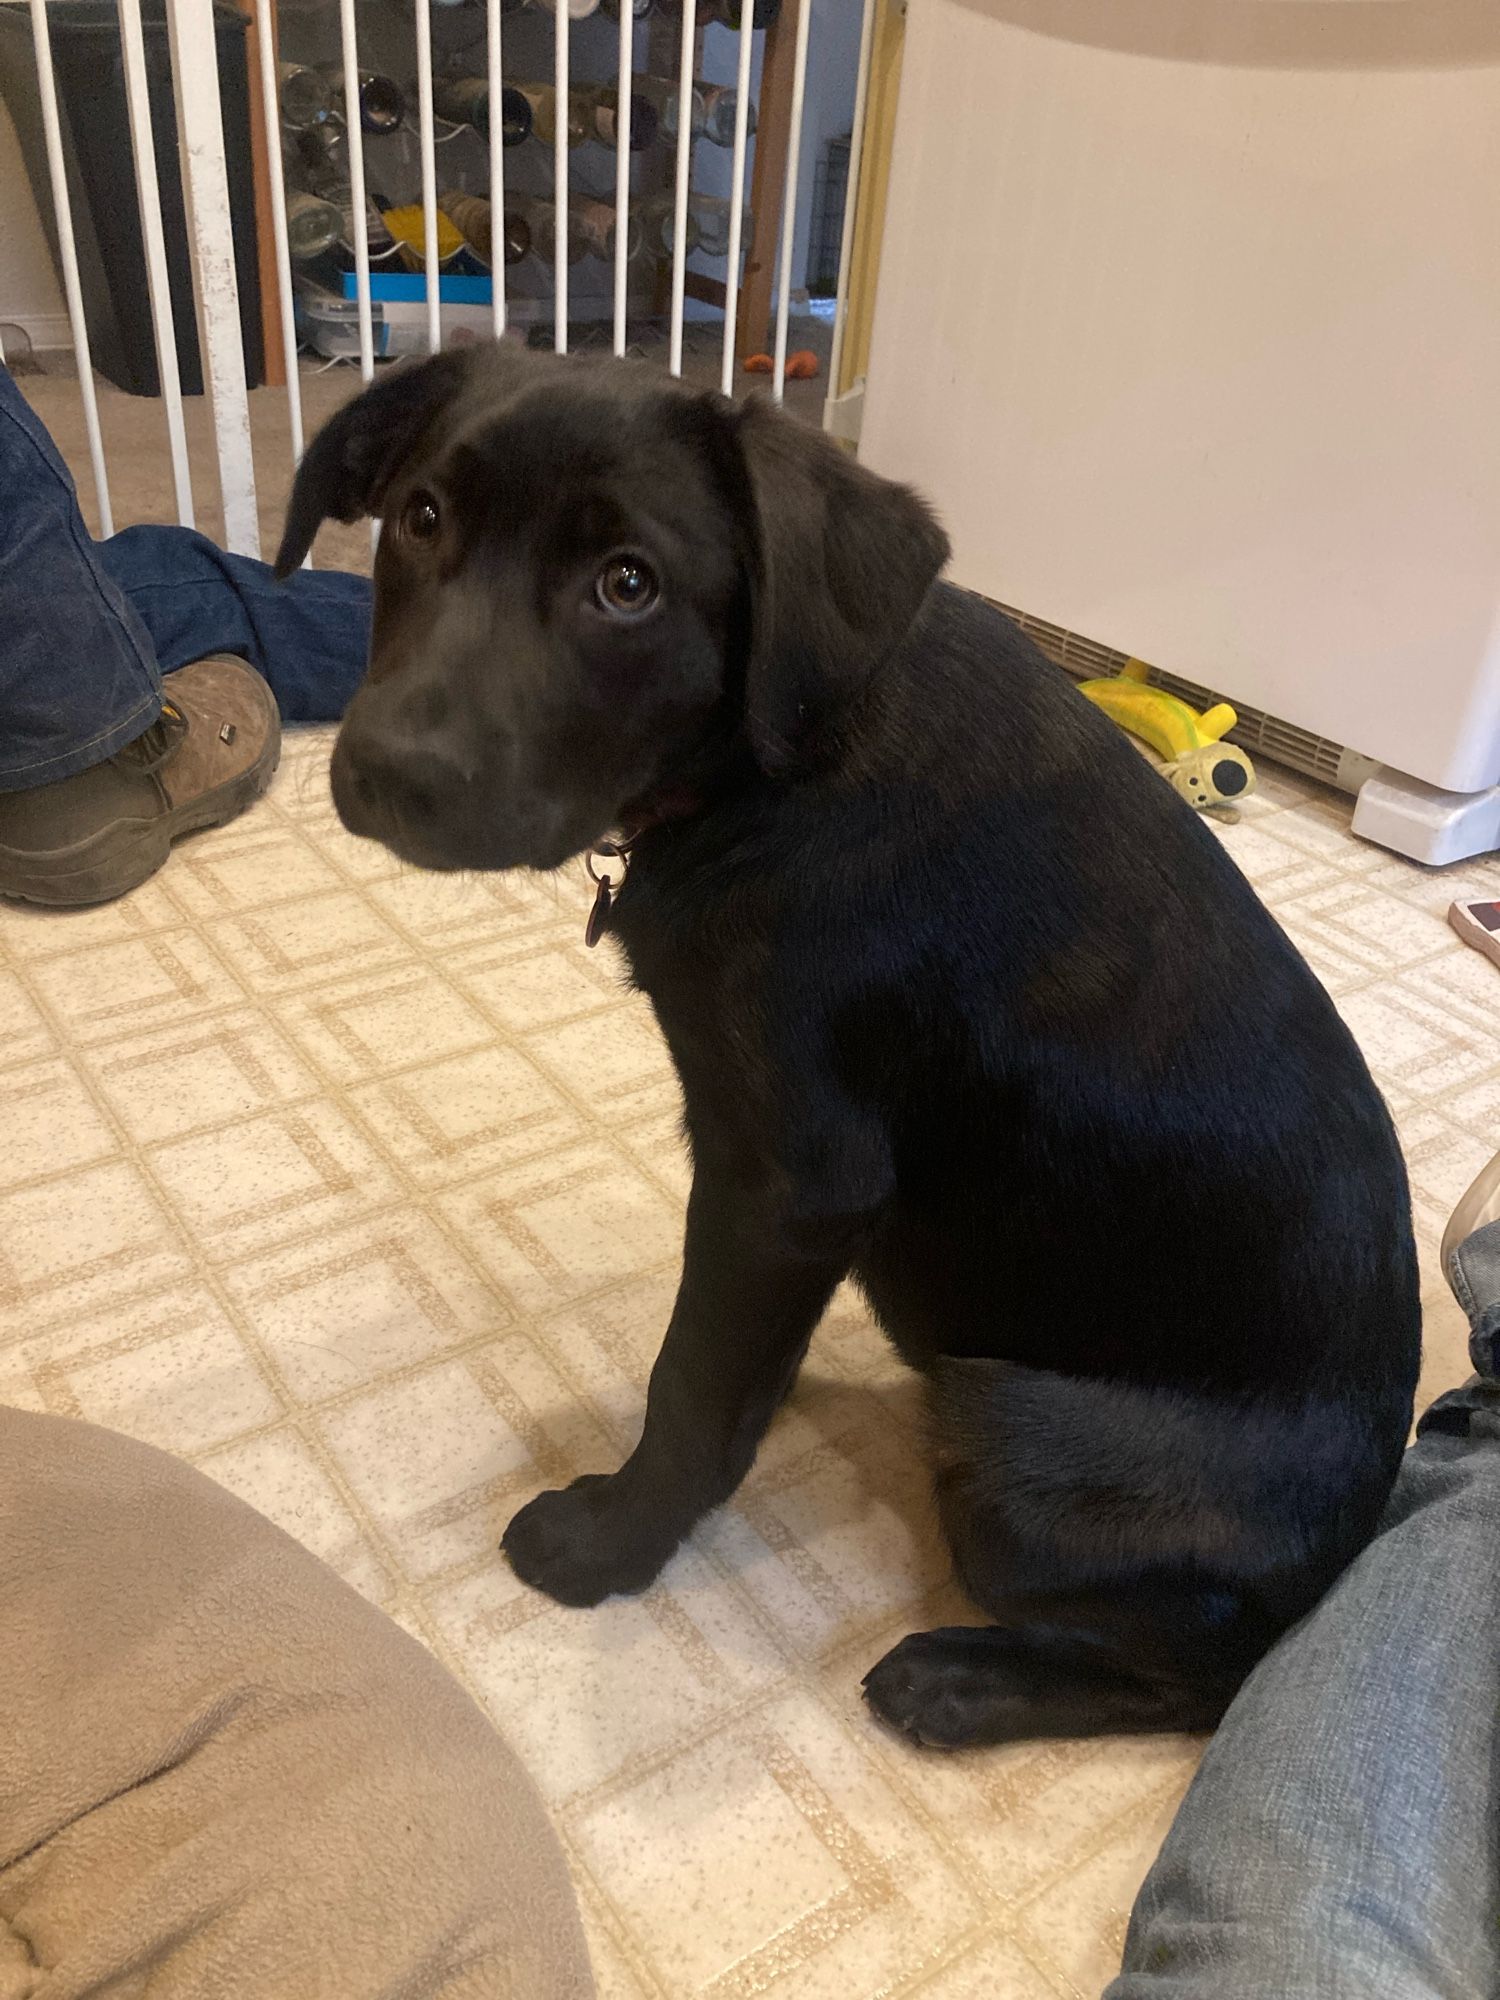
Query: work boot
1478	1209
89	838
1471	1264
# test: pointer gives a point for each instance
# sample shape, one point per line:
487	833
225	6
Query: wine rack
478	249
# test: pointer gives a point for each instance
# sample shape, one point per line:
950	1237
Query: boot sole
1479	1205
121	857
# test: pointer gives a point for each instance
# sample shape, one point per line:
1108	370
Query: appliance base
1425	824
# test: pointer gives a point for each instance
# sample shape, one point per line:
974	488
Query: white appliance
1189	321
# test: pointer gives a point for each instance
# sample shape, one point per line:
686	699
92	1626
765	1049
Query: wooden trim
874	184
265	237
773	138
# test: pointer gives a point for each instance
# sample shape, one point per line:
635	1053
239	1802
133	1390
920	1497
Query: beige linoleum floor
362	1190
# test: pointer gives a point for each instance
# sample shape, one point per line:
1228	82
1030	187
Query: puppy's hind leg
1139	1550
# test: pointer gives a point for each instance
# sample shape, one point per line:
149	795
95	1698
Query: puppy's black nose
383	783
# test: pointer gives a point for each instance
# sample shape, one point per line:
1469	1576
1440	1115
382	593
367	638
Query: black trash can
89	65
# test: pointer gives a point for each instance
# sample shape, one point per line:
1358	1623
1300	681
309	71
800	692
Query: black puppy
963	1000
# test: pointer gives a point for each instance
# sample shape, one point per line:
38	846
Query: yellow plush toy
1206	771
408	226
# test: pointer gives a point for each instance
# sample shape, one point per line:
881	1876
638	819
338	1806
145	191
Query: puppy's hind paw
950	1688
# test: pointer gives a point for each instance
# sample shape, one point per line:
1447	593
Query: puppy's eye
626	586
420	519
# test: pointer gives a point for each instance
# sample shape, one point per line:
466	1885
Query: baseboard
47	332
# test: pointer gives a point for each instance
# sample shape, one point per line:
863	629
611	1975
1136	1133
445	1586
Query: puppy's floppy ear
841	562
350	462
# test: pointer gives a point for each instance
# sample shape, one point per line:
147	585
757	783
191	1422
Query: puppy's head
590	583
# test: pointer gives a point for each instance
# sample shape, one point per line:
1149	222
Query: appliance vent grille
1270	736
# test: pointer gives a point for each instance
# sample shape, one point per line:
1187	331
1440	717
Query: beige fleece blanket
223	1773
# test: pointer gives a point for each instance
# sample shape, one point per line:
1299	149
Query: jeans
1341	1840
87	629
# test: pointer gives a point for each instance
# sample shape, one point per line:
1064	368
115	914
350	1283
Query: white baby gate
206	192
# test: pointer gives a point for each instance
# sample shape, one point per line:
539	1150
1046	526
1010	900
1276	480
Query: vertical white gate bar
789	199
624	85
205	187
265	32
684	167
560	178
429	173
62	208
851	196
737	193
497	168
355	139
142	146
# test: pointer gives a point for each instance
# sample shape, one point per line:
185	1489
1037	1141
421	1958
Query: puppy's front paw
580	1545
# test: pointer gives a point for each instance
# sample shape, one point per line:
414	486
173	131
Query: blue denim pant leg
87	629
309	636
78	676
1342	1838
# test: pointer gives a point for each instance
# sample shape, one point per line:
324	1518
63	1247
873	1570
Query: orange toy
800	367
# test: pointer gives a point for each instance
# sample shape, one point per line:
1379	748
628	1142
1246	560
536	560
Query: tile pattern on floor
362	1190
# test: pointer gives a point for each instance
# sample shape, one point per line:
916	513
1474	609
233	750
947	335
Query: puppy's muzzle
409	791
390	789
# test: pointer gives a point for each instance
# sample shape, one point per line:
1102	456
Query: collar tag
609	885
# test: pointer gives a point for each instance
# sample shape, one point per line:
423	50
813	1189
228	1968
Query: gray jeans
1342	1838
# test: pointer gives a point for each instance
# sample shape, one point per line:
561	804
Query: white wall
29	294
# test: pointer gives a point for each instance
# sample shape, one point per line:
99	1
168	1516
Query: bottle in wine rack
659	226
382	102
543	101
661	93
301	95
711	213
311	158
540	218
598	222
384	249
313	225
603	101
578	10
473	216
720	104
465	100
